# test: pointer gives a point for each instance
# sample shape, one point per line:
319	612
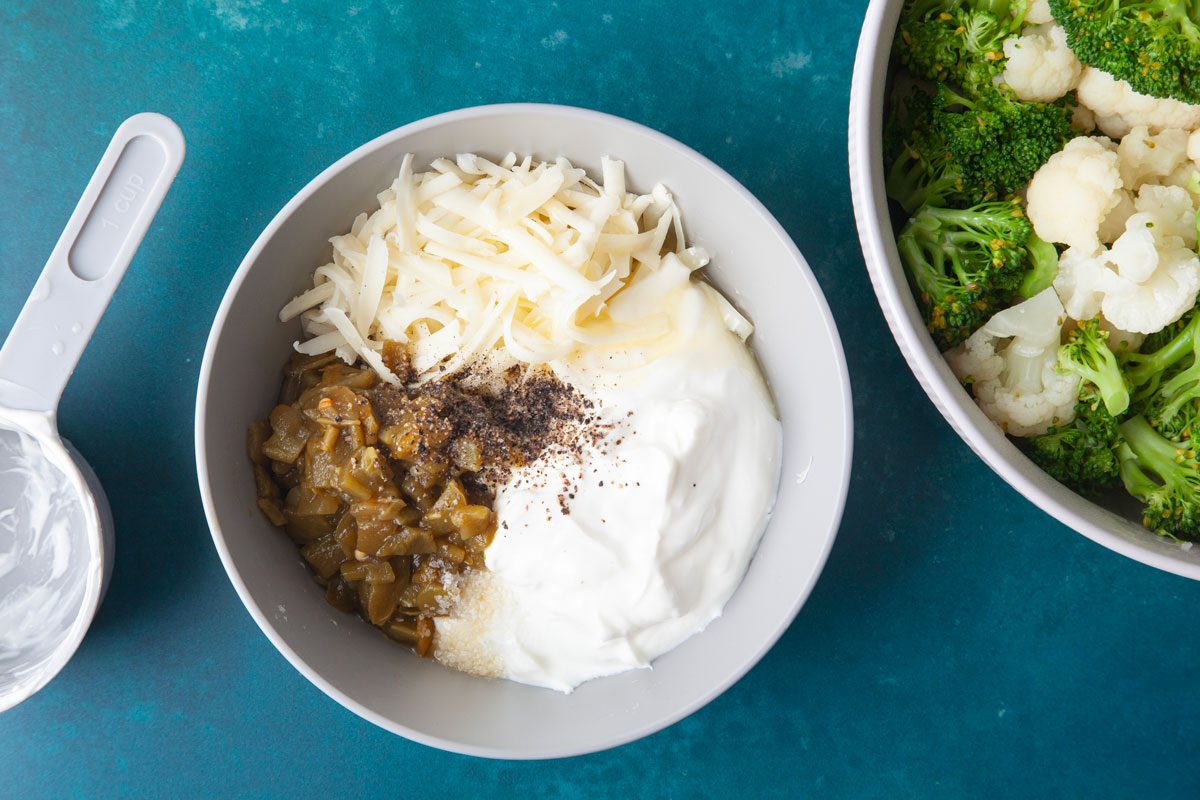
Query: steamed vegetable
1130	231
957	40
1118	108
1088	355
1154	45
1082	453
1011	365
1163	473
961	151
1039	66
1158	457
1014	230
967	264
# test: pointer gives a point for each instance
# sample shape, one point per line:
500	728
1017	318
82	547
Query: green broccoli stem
955	98
1090	358
1145	448
1001	9
1182	389
906	186
955	229
1043	257
1148	366
930	278
1183	13
1133	477
973	220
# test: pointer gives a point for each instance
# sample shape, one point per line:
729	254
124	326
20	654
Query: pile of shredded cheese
475	255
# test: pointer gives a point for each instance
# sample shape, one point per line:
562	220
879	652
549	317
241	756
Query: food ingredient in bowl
1119	108
968	263
956	41
605	560
1039	66
620	541
1150	44
386	489
1150	275
1084	178
946	147
1091	357
1011	364
474	254
1038	12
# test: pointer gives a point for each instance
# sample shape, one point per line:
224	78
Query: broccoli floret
1170	401
966	264
921	170
1092	451
1082	454
960	41
1164	474
997	141
949	149
1174	410
1087	355
1158	456
1152	44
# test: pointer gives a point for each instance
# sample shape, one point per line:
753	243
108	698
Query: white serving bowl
1117	526
757	265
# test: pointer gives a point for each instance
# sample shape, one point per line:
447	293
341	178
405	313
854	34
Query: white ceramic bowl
757	265
1117	526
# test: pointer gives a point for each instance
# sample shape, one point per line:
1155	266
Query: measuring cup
56	530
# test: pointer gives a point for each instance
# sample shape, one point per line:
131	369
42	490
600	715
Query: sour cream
605	561
45	558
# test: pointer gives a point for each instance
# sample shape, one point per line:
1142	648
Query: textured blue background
960	643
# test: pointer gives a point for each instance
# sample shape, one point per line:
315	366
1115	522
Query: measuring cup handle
89	261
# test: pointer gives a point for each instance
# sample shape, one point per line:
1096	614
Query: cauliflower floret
1082	119
1073	192
1119	109
1172	208
1193	146
1120	341
1083	280
1135	253
1145	156
1039	12
1184	177
1144	282
1040	68
1114	224
1011	363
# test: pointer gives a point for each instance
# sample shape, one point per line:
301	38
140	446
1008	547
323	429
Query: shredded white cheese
473	255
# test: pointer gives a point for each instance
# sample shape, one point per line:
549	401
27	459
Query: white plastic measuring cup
56	531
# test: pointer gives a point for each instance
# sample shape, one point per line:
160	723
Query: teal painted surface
960	642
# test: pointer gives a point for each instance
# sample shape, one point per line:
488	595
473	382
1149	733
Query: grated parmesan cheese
474	255
465	641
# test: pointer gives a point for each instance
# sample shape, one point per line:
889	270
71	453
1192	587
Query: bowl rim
866	180
841	390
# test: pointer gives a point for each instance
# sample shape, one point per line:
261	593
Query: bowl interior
754	262
1116	523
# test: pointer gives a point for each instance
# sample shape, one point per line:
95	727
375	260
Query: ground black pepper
517	418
